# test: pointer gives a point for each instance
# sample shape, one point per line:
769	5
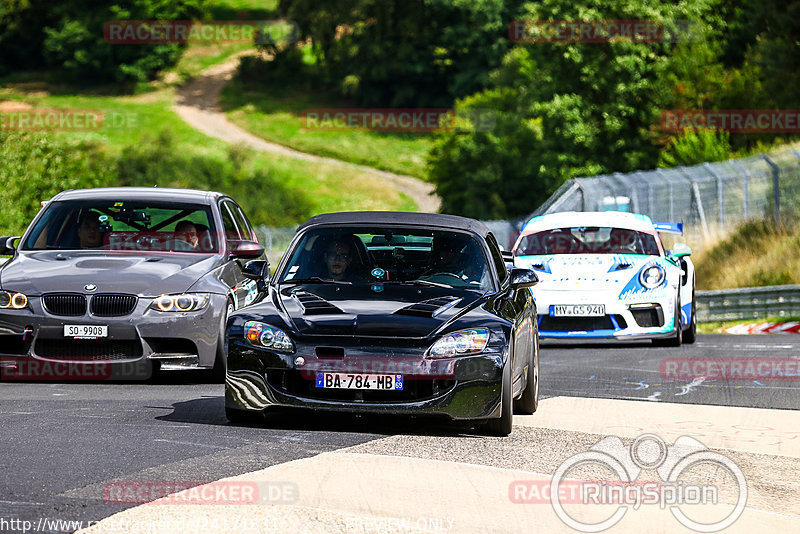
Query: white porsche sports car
607	275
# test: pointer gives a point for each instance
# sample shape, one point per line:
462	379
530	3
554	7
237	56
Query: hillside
758	253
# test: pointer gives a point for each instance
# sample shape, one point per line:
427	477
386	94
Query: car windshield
396	255
124	225
588	240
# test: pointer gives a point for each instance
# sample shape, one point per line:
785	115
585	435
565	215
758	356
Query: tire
220	361
690	335
677	338
502	425
529	400
243	417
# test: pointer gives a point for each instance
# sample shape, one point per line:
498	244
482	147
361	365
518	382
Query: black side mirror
256	270
7	247
246	249
523	278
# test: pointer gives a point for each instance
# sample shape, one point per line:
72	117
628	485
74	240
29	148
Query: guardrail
748	303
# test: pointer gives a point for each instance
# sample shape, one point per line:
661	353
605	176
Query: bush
34	167
263	195
695	147
69	38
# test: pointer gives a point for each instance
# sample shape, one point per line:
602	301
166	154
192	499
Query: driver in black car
338	258
451	255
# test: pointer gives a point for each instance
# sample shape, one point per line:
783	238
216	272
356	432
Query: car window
245	231
588	240
497	257
129	225
392	255
228	224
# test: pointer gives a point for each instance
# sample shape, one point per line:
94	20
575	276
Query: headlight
266	336
652	275
460	343
13	301
184	302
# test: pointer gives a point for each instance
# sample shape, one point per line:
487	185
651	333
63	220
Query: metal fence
748	303
711	198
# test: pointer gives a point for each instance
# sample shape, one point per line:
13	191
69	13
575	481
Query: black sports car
134	277
382	312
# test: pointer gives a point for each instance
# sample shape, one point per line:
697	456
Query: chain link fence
711	198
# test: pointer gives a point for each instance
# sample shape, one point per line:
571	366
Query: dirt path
198	105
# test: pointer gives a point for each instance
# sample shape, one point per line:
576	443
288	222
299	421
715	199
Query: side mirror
256	270
680	250
246	249
7	247
523	278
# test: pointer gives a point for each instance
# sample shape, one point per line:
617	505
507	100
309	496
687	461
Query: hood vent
314	304
430	307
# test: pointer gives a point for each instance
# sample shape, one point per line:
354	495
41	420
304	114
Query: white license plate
359	381
85	331
581	310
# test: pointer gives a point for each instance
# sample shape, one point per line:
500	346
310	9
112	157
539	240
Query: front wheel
529	401
502	425
243	417
690	336
677	338
220	361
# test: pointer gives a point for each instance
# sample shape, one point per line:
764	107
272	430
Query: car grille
88	349
578	324
649	317
112	305
66	304
293	383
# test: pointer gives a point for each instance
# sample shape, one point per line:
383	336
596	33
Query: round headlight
19	301
165	303
267	337
184	303
652	275
5	299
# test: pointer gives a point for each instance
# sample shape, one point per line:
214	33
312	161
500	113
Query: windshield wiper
315	279
415	283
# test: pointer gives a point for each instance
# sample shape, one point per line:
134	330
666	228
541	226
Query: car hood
587	271
392	311
34	273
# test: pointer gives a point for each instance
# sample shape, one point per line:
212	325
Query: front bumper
463	388
33	335
650	316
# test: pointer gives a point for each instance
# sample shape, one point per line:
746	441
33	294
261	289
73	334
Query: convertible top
435	220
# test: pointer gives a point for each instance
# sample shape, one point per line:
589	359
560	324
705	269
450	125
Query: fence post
671	198
775	186
720	195
746	179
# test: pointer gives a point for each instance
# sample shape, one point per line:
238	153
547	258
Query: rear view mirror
680	250
7	247
256	270
246	249
523	278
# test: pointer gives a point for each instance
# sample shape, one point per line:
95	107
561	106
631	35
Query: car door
236	228
517	307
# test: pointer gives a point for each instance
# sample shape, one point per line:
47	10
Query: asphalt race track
63	443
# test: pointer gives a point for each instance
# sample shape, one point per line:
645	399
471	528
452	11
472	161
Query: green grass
328	187
274	112
718	327
757	253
